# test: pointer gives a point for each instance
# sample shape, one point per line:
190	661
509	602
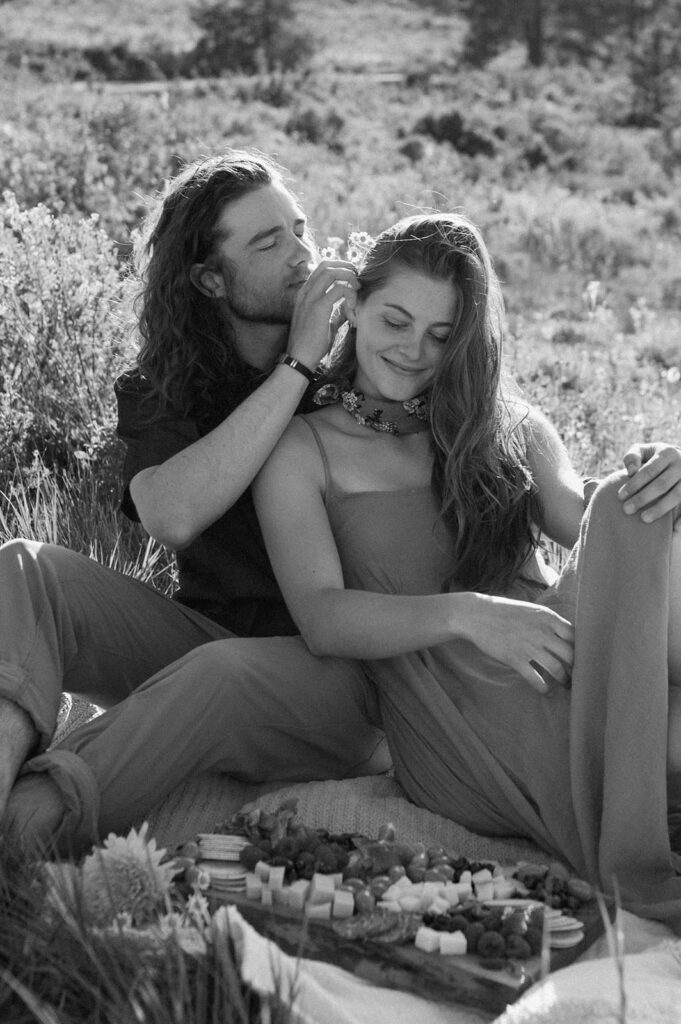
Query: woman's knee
606	494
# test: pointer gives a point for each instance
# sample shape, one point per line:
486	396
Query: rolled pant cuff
79	793
19	687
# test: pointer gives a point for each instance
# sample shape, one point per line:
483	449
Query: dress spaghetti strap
322	451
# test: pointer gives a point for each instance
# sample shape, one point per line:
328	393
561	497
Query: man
233	321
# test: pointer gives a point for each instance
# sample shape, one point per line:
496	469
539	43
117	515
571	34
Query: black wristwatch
296	364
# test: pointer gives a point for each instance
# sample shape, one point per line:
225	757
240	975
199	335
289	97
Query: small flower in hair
354	249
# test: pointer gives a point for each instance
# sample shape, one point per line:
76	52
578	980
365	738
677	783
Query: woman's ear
208	280
350	311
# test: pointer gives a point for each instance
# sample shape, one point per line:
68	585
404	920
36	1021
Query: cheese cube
343	904
275	879
253	886
484	891
398	888
319	911
440	905
454	893
465	876
262	870
427	939
266	896
453	943
322	889
280	897
297	893
504	888
410	904
390	905
483	875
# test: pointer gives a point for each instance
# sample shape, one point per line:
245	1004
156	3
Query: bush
249	36
62	337
317	124
451	127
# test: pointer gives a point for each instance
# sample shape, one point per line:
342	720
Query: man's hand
654	485
329	282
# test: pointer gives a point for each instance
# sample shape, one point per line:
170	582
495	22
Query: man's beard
262	312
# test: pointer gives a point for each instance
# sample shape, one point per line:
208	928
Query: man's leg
262	709
67	623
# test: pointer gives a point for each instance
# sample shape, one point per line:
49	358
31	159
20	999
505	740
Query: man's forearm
178	499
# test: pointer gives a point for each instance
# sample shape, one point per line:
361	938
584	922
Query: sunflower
125	876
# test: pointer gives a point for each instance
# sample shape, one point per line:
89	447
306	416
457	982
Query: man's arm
179	498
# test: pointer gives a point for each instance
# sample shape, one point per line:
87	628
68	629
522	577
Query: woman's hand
654	485
330	282
535	642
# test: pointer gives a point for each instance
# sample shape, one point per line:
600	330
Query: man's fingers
660	491
666	504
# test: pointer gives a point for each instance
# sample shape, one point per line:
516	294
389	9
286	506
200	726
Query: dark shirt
225	573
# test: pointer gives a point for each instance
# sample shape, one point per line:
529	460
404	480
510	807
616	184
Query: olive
364	902
378	885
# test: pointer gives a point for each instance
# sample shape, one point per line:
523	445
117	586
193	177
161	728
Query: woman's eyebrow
405	312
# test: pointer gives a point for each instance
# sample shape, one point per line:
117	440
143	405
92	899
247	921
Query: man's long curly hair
479	427
187	354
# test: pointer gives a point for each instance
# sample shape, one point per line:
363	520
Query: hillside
351	35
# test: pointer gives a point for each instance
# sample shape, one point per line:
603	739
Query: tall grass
62	971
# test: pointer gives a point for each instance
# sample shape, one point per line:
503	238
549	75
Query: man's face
264	256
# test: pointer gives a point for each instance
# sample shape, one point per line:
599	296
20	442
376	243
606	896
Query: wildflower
125	875
591	295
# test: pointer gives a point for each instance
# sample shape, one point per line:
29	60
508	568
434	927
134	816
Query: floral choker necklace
410	417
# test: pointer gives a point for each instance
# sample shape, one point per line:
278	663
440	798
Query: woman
402	521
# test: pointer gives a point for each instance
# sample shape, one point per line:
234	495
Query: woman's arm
361	624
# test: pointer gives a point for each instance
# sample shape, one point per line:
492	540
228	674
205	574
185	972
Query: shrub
62	336
248	35
317	124
451	127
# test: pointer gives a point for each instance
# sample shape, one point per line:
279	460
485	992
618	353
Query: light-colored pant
184	694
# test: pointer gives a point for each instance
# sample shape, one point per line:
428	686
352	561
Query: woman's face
402	329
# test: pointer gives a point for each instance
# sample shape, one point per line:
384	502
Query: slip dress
582	772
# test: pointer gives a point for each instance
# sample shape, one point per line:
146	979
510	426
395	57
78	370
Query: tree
655	65
644	33
492	24
248	35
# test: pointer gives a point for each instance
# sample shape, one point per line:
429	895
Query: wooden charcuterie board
454	979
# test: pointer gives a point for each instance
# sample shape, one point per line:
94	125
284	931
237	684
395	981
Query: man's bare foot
17	737
35	810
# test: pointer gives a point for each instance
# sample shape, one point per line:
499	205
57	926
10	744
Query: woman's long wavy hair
187	353
479	431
